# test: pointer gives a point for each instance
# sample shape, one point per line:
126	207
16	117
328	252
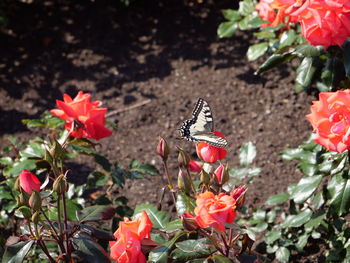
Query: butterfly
200	127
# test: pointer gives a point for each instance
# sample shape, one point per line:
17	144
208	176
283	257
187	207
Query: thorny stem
227	247
59	214
213	240
55	235
30	229
191	181
166	171
66	226
46	251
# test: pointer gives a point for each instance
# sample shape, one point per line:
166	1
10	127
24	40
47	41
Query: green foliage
315	208
327	70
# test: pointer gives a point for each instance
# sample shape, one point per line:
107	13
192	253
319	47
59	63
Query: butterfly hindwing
211	139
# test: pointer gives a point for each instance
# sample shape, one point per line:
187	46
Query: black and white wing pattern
200	127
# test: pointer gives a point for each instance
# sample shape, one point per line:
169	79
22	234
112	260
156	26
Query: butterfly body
200	127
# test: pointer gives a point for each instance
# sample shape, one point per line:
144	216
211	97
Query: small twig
45	250
66	227
170	185
134	106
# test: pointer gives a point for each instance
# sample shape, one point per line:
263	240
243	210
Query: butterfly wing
210	138
202	118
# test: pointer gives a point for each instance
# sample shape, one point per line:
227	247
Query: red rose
29	182
330	118
129	236
89	120
209	153
214	210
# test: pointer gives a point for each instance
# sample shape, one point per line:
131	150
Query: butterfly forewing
202	117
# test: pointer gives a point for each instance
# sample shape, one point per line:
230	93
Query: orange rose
129	236
29	182
266	12
324	22
209	153
89	120
214	210
330	118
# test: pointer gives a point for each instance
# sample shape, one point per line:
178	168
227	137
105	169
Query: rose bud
183	182
35	201
29	182
239	195
163	149
36	217
221	175
25	210
195	166
189	222
60	185
183	158
23	199
204	177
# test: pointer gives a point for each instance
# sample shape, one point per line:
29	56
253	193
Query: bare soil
165	54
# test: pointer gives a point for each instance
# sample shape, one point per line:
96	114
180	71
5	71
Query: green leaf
220	259
308	168
272	236
339	190
316	220
97	212
103	161
145	169
6	161
297	220
161	254
247	153
192	249
282	254
317	200
17	252
28	164
302	241
274	60
333	72
346	50
291	154
246	7
184	204
231	14
260	227
287	38
72	209
305	73
227	29
308	51
89	250
305	188
256	51
173	226
277	199
159	218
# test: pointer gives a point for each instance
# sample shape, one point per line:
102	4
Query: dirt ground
165	54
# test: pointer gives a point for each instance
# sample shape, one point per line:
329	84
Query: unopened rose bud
239	195
35	201
163	149
60	184
195	166
189	222
221	175
23	199
17	185
36	217
183	158
25	210
204	177
183	182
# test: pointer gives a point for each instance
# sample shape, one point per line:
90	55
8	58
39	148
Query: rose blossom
209	153
214	210
330	119
195	166
29	181
129	236
89	120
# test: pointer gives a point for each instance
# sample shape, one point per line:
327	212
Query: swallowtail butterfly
200	127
